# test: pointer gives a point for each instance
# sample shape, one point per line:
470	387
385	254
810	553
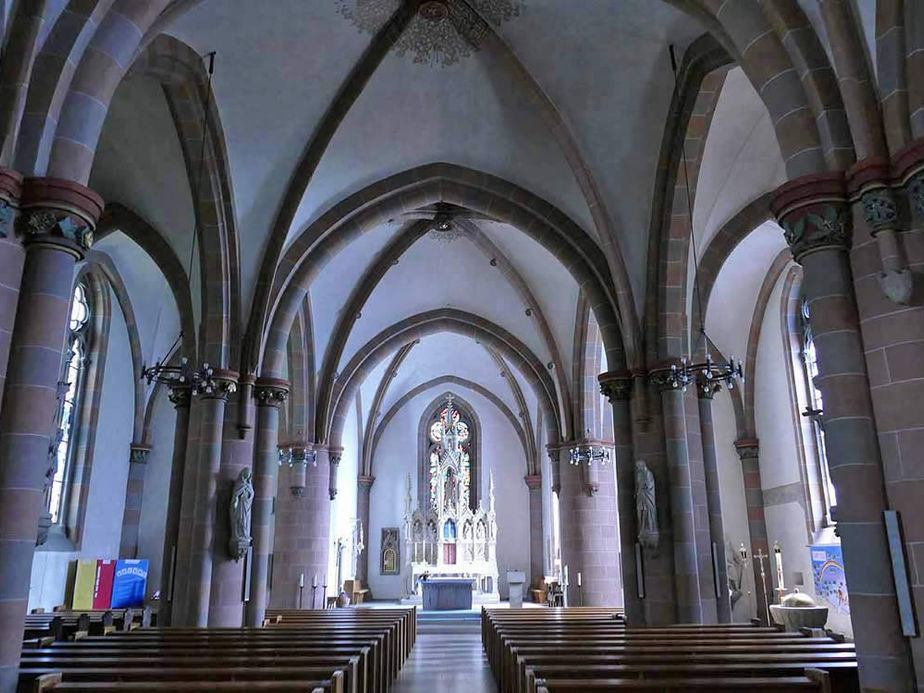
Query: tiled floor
448	658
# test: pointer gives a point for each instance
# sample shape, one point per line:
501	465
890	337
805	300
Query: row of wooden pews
342	650
67	625
592	649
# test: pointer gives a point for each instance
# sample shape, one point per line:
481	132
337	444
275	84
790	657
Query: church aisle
446	658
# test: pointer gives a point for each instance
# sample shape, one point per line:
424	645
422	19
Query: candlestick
778	555
301	580
314	580
579	578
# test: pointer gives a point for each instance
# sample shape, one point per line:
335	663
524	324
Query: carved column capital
813	213
615	385
138	454
225	385
335	454
180	395
706	389
365	482
661	376
908	171
533	481
60	212
748	448
270	392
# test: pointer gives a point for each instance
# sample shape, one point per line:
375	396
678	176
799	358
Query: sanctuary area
518	345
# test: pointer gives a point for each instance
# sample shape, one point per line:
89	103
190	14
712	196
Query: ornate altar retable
449	538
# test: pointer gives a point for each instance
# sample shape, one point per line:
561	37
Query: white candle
778	555
301	580
565	580
314	580
579	578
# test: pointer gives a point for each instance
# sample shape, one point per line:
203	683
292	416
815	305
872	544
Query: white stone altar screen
448	537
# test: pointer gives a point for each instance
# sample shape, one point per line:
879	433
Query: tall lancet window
450	458
70	387
813	407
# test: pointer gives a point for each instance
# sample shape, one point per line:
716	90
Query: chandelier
442	32
709	375
587	452
169	370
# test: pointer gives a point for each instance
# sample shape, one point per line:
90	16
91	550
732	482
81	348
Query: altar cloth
443	594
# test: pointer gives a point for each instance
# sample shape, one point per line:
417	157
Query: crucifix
760	555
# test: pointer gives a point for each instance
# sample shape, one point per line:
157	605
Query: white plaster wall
779	458
396	457
731	493
106	499
156	490
343	508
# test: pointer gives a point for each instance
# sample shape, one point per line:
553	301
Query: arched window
70	388
812	406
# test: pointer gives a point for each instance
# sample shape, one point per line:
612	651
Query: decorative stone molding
10	192
335	455
706	389
270	392
533	481
225	385
747	448
180	396
138	454
660	377
365	481
615	385
880	209
813	213
59	211
297	491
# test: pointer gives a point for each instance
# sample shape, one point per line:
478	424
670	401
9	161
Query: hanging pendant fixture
173	369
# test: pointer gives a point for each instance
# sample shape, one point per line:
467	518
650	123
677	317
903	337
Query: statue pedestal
515	580
792	618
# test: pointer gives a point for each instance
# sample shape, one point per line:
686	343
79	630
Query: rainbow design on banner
830	581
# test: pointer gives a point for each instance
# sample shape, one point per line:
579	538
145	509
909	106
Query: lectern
515	580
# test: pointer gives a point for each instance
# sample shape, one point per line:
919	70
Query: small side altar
443	594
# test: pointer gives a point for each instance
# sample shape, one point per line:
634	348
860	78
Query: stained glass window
450	472
69	389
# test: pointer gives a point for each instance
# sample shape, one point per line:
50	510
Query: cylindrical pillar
749	453
714	502
686	572
134	494
534	484
364	491
617	387
815	218
269	394
589	544
12	256
208	460
58	223
179	396
226	594
302	542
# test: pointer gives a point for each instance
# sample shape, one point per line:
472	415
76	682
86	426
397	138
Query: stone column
749	453
816	222
686	572
303	531
269	394
706	391
589	544
534	484
617	388
208	460
226	594
364	490
187	517
57	222
12	255
134	494
179	396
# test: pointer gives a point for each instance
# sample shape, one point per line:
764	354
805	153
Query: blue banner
830	582
128	587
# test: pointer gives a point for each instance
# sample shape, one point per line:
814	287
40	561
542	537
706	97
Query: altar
443	594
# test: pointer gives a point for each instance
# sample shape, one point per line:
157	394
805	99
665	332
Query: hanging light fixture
294	454
173	370
707	374
589	451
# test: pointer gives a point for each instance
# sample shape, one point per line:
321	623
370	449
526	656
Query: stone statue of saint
239	513
646	510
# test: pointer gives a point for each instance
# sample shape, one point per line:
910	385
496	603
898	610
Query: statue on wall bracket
646	510
239	539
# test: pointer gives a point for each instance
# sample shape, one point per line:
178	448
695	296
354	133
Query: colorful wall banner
131	577
84	584
102	589
830	581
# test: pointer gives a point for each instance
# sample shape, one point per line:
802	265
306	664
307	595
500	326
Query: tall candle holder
778	557
760	556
